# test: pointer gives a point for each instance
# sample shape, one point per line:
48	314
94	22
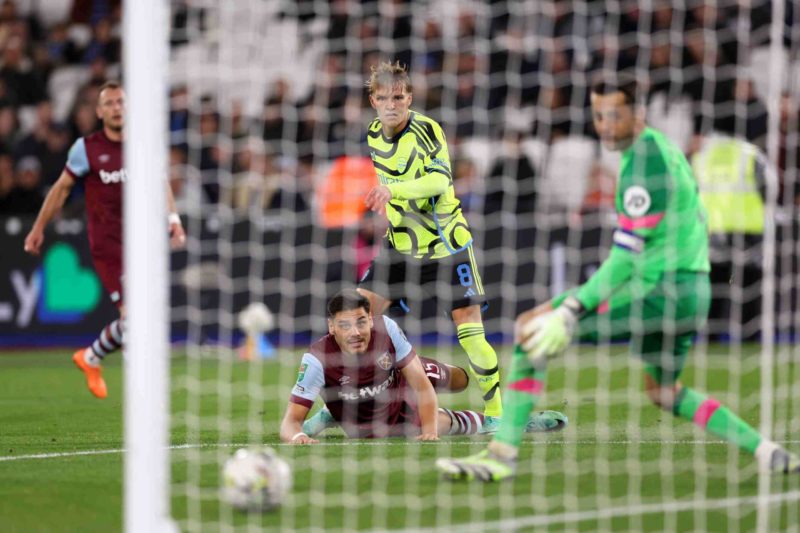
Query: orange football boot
94	375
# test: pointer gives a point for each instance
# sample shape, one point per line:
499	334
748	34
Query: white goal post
621	464
146	401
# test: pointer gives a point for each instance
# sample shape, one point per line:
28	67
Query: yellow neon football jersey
425	218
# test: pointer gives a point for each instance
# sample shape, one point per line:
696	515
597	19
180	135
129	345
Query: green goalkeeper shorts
660	327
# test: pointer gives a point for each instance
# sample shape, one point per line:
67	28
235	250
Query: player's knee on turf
459	379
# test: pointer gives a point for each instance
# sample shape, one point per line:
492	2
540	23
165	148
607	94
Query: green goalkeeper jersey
425	219
661	224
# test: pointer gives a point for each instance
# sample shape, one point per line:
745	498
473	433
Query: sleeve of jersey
436	178
310	380
404	352
642	206
77	160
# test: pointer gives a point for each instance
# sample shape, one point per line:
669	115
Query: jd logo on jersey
636	200
68	291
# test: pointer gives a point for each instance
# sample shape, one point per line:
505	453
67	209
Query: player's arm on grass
427	403
53	203
435	180
292	425
408	363
310	381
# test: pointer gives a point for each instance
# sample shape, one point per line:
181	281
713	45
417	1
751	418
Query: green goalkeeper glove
552	332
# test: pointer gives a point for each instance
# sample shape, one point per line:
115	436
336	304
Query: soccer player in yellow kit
428	242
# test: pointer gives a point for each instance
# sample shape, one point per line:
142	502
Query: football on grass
255	480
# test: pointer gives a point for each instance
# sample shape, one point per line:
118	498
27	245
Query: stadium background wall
35	313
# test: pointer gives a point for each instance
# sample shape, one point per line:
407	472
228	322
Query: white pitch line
612	512
111	451
58	454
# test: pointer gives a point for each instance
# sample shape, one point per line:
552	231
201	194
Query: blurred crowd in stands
508	80
54	55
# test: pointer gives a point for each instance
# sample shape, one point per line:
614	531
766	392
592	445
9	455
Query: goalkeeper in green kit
653	289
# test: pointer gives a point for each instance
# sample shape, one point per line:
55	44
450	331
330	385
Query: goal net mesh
268	120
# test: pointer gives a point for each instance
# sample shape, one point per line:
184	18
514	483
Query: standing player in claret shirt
428	242
653	289
97	161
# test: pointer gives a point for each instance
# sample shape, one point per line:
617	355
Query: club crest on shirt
384	361
104	158
401	164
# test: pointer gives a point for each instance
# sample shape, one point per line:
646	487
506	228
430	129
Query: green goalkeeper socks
483	365
718	420
525	385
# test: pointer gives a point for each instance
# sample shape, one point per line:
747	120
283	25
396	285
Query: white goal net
270	166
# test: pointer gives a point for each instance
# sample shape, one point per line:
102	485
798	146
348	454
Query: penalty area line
380	443
633	510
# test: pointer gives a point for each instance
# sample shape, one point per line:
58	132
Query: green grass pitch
621	464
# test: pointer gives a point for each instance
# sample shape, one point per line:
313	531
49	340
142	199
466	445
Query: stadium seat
760	61
535	149
27	118
480	151
567	165
62	88
50	12
674	118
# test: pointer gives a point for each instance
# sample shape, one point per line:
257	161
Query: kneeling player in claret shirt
374	384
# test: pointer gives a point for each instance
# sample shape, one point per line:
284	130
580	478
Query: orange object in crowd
341	196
